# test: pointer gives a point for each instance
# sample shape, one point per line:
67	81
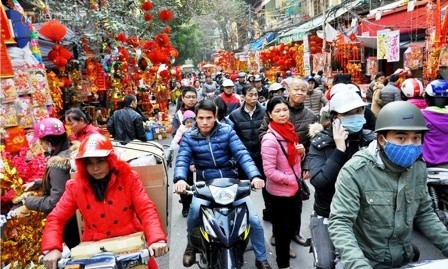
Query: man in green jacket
381	194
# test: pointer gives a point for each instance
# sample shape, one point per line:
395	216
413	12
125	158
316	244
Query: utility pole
324	15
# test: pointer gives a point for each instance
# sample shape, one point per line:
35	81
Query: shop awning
300	31
263	41
397	19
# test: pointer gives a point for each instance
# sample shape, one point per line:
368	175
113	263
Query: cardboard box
158	194
152	175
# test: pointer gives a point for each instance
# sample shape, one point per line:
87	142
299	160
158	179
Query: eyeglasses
190	96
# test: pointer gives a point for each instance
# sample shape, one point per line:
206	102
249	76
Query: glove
169	158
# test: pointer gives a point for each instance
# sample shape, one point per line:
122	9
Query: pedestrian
301	117
330	149
282	155
315	99
381	193
275	89
189	119
377	103
51	134
126	124
80	124
262	90
232	100
213	147
111	199
241	83
198	88
413	90
379	78
390	92
210	88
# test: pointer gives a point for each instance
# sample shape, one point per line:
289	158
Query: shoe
272	241
263	264
267	216
301	241
292	254
189	256
185	209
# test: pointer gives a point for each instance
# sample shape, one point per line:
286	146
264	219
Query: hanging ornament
165	15
122	37
53	30
147	17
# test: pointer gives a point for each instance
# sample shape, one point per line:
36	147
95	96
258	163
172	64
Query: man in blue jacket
213	147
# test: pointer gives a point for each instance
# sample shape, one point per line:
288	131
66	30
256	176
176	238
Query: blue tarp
261	42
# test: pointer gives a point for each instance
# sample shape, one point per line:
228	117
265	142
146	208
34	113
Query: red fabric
127	208
85	132
287	132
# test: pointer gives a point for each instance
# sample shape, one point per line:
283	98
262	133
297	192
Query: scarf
288	133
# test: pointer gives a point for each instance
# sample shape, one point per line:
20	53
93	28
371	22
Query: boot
189	256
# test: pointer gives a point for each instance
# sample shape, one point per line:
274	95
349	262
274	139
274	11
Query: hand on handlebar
257	183
158	249
51	259
180	187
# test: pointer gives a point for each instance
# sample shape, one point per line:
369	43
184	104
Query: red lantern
53	30
122	37
60	62
165	15
52	54
63	52
164	74
167	30
147	6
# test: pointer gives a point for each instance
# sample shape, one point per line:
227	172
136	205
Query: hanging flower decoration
147	5
122	37
165	15
53	30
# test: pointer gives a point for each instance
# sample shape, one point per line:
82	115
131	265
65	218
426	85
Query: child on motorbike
436	116
381	194
212	147
111	200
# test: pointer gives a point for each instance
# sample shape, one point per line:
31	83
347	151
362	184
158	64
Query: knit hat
188	115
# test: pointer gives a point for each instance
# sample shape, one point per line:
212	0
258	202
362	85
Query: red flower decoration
147	6
148	17
165	15
167	30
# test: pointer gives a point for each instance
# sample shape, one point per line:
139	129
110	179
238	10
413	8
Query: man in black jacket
126	124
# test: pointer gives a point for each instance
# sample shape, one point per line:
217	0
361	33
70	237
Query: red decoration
165	15
148	17
167	30
60	62
53	30
122	37
147	6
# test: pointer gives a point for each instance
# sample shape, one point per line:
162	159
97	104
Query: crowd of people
363	147
365	154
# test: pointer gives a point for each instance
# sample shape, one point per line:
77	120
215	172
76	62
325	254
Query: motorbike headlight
224	196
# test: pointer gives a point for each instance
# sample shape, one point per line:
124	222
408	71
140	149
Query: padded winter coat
126	125
213	156
126	209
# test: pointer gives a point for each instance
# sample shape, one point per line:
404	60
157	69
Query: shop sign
291	38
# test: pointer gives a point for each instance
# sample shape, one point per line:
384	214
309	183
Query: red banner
7	35
6	70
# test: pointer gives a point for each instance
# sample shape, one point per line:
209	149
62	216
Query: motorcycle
106	260
438	190
222	237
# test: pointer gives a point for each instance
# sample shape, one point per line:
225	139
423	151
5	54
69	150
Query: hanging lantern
147	17
147	6
165	15
53	30
122	37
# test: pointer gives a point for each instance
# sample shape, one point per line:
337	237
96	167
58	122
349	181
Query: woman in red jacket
80	123
111	200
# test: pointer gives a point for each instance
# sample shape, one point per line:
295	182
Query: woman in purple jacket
282	155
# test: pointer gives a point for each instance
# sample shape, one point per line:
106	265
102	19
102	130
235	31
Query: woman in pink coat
282	154
111	200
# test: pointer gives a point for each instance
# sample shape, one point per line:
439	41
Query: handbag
304	190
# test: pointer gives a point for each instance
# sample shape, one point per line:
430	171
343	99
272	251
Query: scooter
222	238
438	190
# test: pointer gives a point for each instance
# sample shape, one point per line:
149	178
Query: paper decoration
24	108
318	62
7	35
40	87
40	113
393	43
8	116
6	70
443	58
8	91
371	66
382	39
413	57
22	81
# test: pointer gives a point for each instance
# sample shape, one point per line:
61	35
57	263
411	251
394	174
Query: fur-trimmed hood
314	129
62	160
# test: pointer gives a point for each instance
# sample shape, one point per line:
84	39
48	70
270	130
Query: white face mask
49	149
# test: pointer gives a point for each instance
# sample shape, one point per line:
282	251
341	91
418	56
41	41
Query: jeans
284	223
184	198
256	231
323	249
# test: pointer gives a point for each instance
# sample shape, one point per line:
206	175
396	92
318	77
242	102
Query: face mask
353	123
49	148
403	155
